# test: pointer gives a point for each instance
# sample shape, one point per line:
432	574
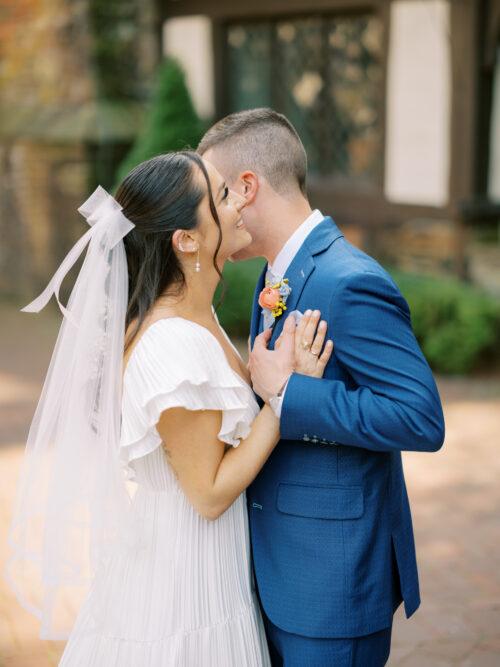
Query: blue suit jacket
330	522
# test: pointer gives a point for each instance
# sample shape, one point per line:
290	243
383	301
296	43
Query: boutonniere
273	297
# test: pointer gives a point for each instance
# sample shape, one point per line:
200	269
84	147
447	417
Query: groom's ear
249	183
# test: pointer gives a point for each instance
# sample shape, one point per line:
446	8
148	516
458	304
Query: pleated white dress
178	589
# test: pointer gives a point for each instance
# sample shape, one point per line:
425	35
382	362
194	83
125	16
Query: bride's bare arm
211	475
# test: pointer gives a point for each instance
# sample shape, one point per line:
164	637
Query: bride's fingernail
308	313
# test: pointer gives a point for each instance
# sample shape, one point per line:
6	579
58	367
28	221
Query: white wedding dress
177	590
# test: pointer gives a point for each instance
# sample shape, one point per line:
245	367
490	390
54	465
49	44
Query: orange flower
269	298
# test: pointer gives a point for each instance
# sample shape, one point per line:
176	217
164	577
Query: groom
330	522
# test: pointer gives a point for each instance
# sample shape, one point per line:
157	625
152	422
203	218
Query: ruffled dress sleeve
178	363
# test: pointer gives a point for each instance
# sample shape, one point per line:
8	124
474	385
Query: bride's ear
184	242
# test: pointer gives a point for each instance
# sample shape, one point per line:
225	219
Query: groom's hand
270	369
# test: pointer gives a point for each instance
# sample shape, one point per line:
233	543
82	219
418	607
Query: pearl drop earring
197	266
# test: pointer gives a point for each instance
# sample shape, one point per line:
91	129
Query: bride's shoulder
172	341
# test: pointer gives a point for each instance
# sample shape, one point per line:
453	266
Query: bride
164	577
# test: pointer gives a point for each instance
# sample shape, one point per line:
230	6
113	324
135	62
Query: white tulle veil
72	496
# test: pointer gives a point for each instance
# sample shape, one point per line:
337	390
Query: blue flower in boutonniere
273	297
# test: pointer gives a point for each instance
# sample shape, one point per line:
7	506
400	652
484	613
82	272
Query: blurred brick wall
44	49
50	92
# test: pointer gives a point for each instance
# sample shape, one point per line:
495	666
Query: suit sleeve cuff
299	418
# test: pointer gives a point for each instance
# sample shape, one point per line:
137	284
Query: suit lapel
302	267
298	275
256	315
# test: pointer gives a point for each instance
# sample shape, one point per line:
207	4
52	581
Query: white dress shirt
287	253
283	260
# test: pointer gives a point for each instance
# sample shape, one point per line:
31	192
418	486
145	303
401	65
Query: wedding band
304	345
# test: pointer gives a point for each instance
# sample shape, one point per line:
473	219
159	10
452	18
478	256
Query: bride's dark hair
159	196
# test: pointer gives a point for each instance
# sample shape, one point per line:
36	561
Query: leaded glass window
325	74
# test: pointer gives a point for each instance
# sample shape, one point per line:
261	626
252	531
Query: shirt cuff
277	403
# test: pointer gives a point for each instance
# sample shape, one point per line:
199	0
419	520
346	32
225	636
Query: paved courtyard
455	497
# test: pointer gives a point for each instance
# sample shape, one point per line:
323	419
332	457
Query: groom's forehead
216	179
213	157
218	156
218	163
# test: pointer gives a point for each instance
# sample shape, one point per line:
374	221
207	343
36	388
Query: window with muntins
325	73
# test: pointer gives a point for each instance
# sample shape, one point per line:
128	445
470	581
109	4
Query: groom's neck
282	220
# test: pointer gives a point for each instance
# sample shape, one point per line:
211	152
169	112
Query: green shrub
457	325
171	122
236	309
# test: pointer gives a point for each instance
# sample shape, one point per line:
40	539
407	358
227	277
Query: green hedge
457	326
236	309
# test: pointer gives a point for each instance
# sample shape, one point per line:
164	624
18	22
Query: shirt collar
287	253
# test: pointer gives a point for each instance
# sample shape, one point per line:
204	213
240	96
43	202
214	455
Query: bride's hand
311	355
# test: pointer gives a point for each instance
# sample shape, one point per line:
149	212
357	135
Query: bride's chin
238	249
242	242
247	240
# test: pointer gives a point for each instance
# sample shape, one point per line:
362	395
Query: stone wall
44	52
63	124
41	187
424	245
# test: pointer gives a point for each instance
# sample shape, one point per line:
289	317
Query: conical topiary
171	122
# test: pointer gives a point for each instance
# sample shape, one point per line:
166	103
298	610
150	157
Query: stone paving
455	496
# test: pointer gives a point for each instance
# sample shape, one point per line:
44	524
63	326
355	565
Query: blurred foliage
113	25
171	122
456	325
236	309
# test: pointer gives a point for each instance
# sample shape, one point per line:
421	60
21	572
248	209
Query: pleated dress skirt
176	592
177	589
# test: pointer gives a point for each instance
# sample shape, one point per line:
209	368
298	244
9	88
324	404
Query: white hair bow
103	213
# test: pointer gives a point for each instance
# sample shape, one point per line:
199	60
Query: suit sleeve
392	402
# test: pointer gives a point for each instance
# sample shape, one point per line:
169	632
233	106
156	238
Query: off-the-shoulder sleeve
178	363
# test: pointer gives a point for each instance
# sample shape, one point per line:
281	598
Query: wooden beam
384	15
228	9
366	208
492	33
489	24
464	34
219	47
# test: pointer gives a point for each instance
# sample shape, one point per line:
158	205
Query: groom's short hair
263	141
